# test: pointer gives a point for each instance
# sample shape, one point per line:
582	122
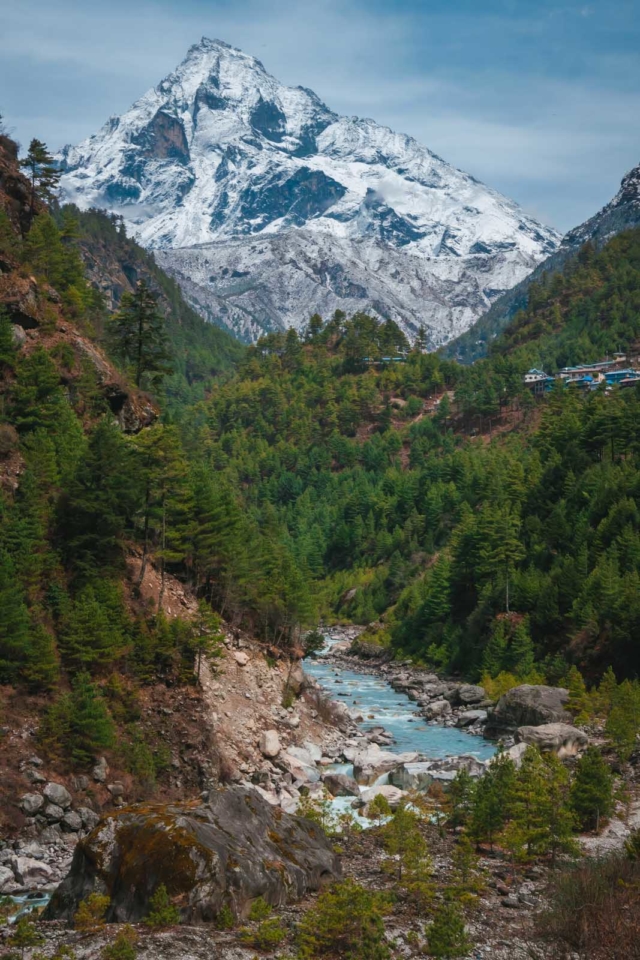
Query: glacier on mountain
268	207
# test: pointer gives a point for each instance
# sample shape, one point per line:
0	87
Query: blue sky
540	99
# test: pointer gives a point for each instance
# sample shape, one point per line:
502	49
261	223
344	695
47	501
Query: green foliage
24	935
124	947
492	800
162	912
347	921
446	933
267	936
90	915
592	789
139	337
260	910
78	724
225	919
623	721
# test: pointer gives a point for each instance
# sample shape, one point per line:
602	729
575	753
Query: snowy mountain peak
350	214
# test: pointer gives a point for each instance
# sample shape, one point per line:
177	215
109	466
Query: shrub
124	947
260	910
24	935
269	934
593	910
225	919
91	912
446	934
163	913
347	922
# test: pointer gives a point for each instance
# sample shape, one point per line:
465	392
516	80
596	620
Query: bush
260	910
346	922
269	934
163	913
594	910
91	912
446	934
225	919
124	947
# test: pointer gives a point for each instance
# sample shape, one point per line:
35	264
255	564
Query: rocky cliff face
622	213
269	207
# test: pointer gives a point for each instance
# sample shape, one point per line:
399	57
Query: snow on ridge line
220	151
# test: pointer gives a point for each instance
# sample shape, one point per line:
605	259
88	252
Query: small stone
101	771
90	818
241	658
53	812
270	743
31	803
72	822
28	871
116	789
58	795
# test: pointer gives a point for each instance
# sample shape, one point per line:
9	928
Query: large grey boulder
559	738
437	709
340	785
29	872
527	706
7	879
57	794
372	762
229	851
469	693
412	776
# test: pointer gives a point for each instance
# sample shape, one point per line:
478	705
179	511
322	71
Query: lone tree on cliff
139	336
43	175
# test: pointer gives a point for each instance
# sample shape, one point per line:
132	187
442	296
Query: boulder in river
340	785
412	776
468	693
372	762
393	795
229	851
559	738
527	706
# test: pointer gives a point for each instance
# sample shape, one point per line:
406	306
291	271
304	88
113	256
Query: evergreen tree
91	728
446	934
15	630
139	337
42	173
90	638
592	789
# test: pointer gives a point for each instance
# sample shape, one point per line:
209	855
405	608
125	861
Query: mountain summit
269	207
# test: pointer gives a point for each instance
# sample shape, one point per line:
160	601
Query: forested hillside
339	474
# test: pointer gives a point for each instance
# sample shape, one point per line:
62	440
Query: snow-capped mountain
269	207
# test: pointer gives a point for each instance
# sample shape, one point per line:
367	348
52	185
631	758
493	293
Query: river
382	706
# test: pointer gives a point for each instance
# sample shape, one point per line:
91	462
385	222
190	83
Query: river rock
559	738
57	794
437	709
340	785
393	795
468	717
30	872
270	743
371	762
31	803
527	706
299	770
514	753
412	776
229	851
314	751
7	879
470	693
447	768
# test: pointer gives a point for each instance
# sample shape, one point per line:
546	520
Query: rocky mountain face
269	207
622	213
